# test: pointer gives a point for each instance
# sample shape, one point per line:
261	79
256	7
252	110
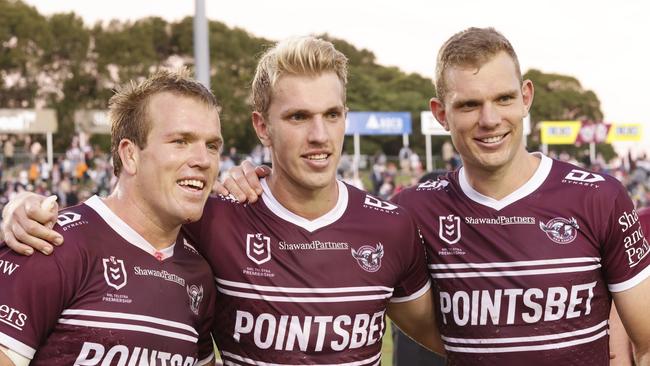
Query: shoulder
374	211
584	181
429	189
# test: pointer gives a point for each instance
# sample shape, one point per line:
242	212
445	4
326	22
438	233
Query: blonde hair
295	56
128	107
472	47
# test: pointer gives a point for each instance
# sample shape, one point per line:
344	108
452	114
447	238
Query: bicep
417	319
632	306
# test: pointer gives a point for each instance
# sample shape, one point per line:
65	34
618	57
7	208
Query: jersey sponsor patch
8	268
377	204
12	317
369	258
560	230
114	272
258	248
68	220
635	244
581	177
93	353
433	185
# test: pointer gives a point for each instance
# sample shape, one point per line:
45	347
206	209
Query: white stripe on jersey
526	339
129	316
527	347
376	359
516	264
413	296
17	346
626	285
529	272
129	327
247	295
303	290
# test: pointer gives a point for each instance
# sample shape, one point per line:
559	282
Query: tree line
58	62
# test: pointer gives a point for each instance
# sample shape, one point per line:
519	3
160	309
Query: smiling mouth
192	184
317	157
493	139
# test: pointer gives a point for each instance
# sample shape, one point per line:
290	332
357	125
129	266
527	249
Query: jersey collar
125	231
310	225
527	188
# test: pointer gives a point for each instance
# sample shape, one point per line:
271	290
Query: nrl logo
560	230
196	295
449	228
258	248
114	272
369	258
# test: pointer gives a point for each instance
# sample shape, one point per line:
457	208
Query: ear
437	107
261	128
527	93
129	154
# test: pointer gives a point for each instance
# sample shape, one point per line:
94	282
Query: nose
200	157
490	116
318	130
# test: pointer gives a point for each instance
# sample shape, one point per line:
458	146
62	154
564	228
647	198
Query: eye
214	146
298	116
504	99
180	142
333	114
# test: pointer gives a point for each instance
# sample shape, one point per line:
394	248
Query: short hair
295	56
472	47
128	107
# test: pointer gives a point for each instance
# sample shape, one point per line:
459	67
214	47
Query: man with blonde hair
98	299
307	274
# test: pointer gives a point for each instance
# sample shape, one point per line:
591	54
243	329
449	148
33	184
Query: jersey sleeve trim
626	285
206	360
17	346
414	295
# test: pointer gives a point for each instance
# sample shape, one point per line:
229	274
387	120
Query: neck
140	218
501	182
309	204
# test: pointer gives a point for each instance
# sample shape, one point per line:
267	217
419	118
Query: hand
27	223
243	181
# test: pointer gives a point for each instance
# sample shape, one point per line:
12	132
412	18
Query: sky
604	44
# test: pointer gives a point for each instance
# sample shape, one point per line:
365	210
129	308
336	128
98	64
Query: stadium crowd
83	170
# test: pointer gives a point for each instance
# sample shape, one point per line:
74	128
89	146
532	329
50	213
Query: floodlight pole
201	49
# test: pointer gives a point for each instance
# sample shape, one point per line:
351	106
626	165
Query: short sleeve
414	277
625	249
33	293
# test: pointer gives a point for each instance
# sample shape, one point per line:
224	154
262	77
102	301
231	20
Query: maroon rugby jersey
295	291
526	280
103	298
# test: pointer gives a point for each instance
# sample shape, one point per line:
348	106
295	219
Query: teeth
317	157
192	183
491	140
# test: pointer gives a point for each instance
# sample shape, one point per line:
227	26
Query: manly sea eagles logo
560	230
196	295
114	272
449	229
369	258
258	248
